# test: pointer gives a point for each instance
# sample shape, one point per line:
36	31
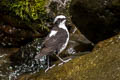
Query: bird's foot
49	67
64	61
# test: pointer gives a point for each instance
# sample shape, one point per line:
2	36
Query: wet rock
14	37
23	61
96	19
5	62
102	63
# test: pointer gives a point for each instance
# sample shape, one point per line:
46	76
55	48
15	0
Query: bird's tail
38	56
43	52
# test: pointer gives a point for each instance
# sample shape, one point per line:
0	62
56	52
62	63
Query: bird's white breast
53	33
65	28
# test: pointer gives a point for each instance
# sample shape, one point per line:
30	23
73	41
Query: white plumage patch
53	33
62	25
60	16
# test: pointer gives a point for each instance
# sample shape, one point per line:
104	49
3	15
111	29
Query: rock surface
103	63
96	19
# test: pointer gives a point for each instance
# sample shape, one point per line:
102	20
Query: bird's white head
60	19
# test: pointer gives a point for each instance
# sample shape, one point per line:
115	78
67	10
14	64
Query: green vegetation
29	8
32	12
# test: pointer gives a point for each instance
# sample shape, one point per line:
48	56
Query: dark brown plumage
54	43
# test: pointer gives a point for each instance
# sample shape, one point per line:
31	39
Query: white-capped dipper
57	39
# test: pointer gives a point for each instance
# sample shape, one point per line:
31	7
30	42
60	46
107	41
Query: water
4	68
21	62
31	67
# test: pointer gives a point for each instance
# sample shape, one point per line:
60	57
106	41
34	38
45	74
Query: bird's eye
62	19
59	19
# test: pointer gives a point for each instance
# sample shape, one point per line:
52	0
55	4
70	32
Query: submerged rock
101	64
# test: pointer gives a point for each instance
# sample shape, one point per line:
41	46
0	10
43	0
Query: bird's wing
53	43
56	40
48	37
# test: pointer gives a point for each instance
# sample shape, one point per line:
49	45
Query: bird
57	40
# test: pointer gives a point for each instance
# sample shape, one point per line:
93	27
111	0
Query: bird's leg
48	65
63	61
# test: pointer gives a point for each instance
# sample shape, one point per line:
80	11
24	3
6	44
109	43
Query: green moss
26	9
32	12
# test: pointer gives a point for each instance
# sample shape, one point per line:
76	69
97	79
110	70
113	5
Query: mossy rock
101	64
